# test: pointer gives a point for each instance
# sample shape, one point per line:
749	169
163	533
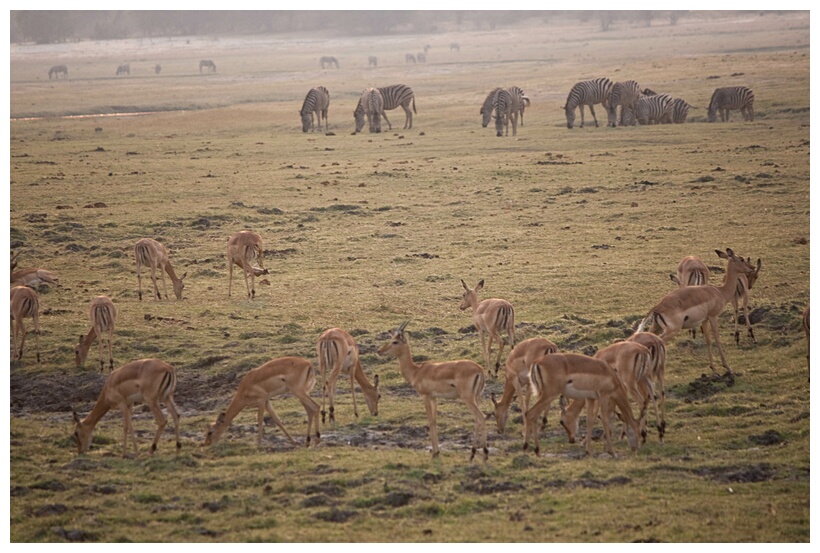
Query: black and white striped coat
587	93
624	94
653	109
729	98
393	96
373	105
486	111
520	100
316	101
678	113
505	108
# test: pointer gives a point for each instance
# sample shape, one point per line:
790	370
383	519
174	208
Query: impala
808	338
149	381
698	306
657	373
491	316
34	278
338	353
462	379
632	361
517	371
243	248
24	304
579	377
103	317
744	285
154	255
294	375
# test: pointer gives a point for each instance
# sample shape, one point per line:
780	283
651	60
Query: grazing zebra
56	70
328	61
372	61
587	93
505	110
157	68
486	111
653	109
393	96
373	104
455	46
732	97
421	58
409	57
678	113
426	48
521	100
123	69
316	101
207	64
624	94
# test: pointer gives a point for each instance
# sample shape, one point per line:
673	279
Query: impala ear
674	279
376	381
464	284
729	252
480	285
76	416
758	264
721	254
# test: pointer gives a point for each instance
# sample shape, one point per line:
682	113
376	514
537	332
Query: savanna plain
578	228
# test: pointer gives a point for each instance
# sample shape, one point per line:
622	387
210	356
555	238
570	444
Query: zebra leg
592	111
389	126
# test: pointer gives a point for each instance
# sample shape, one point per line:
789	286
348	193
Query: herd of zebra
372	105
125	69
646	106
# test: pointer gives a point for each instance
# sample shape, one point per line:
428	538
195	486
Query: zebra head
570	112
307	120
358	115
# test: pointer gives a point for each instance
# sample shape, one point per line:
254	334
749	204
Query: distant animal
393	96
25	304
124	69
317	101
624	94
56	70
373	105
653	109
421	57
372	61
207	64
520	100
426	48
328	61
587	93
455	46
808	337
505	110
745	282
729	98
34	277
409	58
157	68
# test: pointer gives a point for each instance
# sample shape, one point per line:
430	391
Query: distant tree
607	18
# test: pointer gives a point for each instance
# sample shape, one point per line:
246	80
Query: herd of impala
535	371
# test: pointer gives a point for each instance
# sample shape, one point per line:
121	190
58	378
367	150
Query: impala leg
269	409
129	431
139	281
430	407
749	329
161	422
498	357
480	433
713	323
312	410
37	335
172	410
331	391
531	416
606	413
110	348
22	328
154	281
484	351
352	372
592	413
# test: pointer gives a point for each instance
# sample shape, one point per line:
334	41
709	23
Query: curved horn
402	326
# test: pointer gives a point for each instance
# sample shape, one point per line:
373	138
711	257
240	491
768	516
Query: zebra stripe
486	110
678	113
316	101
624	94
504	109
653	109
373	104
393	96
587	93
732	97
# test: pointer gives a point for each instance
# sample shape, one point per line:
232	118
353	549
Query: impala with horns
338	353
744	286
150	253
579	377
463	379
517	371
243	248
493	317
149	381
103	318
657	373
698	306
25	304
277	377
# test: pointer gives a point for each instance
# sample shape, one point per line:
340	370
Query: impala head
179	286
396	341
752	277
741	265
372	399
214	430
82	434
470	296
501	415
79	354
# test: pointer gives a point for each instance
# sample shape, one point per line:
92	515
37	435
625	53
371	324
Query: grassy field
578	229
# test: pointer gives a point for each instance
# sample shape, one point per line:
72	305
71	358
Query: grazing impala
517	371
294	375
744	285
491	316
632	362
338	353
149	381
243	248
579	377
154	255
698	306
103	318
24	304
657	373
34	278
691	272
462	379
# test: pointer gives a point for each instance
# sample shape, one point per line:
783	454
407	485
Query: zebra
678	113
328	61
125	68
587	93
521	101
207	64
56	70
455	46
624	94
373	105
505	107
653	109
157	68
421	58
393	96
317	100
372	61
732	97
486	111
426	48
409	57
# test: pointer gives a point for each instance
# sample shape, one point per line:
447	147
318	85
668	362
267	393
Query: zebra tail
414	105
